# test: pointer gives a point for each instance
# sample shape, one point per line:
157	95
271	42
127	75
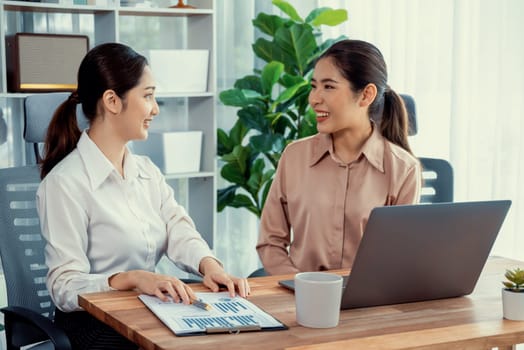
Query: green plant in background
515	280
273	103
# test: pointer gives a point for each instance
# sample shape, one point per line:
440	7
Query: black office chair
437	186
30	311
437	174
28	316
260	272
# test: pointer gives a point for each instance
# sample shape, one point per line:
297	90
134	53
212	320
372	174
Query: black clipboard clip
233	330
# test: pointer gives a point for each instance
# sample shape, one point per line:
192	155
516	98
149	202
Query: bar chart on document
226	314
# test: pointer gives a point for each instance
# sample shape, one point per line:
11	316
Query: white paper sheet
226	312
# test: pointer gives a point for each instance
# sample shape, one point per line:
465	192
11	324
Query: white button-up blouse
97	223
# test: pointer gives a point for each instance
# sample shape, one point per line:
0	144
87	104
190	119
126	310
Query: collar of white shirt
99	168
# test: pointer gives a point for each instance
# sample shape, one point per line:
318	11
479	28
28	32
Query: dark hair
107	66
361	63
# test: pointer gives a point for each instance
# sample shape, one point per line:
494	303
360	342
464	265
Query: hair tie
74	97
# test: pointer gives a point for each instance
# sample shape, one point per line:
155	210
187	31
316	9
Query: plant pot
513	305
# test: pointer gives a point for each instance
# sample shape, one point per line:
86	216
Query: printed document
226	314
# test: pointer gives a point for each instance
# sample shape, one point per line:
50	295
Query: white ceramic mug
317	299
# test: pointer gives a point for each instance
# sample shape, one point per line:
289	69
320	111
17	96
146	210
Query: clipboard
225	316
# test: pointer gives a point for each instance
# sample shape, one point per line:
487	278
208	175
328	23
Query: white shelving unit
142	28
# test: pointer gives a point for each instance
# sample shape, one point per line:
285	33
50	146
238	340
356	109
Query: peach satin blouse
318	207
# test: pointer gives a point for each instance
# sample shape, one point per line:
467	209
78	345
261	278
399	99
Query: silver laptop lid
422	252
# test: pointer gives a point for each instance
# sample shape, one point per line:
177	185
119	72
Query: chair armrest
24	326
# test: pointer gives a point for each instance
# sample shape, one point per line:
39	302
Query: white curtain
237	229
487	110
462	61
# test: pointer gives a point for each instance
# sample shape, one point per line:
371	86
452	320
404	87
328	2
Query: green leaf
301	99
224	143
237	162
268	176
268	142
250	82
254	118
290	92
308	125
330	17
315	13
238	132
270	75
225	196
297	43
273	117
267	187
298	102
237	97
288	9
285	125
268	23
288	80
243	201
268	51
260	180
232	97
233	173
255	177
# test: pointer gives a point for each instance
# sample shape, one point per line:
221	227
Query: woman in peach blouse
326	185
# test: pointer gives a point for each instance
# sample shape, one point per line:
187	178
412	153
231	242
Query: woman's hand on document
214	276
152	283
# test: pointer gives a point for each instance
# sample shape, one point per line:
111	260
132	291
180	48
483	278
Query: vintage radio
44	62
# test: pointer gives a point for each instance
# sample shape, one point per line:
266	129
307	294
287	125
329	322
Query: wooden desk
471	322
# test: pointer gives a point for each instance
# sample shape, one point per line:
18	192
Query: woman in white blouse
108	216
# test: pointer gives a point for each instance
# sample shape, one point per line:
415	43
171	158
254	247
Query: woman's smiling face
139	109
332	98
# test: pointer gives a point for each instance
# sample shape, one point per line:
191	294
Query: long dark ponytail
107	66
361	63
62	135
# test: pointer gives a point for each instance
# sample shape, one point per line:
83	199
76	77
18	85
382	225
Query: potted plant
273	103
513	295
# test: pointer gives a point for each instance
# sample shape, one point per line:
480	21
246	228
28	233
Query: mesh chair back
21	242
39	110
437	185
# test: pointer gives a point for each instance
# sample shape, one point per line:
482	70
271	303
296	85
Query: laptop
421	252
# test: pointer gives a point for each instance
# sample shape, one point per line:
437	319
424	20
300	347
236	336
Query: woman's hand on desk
153	284
214	275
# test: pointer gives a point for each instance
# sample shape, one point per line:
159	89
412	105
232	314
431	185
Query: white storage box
179	70
172	152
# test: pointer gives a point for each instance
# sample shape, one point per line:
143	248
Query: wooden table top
471	322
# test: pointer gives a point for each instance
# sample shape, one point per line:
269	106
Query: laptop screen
422	252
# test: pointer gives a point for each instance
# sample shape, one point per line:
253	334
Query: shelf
162	95
24	6
171	28
161	12
14	95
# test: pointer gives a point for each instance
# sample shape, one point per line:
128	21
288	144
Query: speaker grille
44	62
